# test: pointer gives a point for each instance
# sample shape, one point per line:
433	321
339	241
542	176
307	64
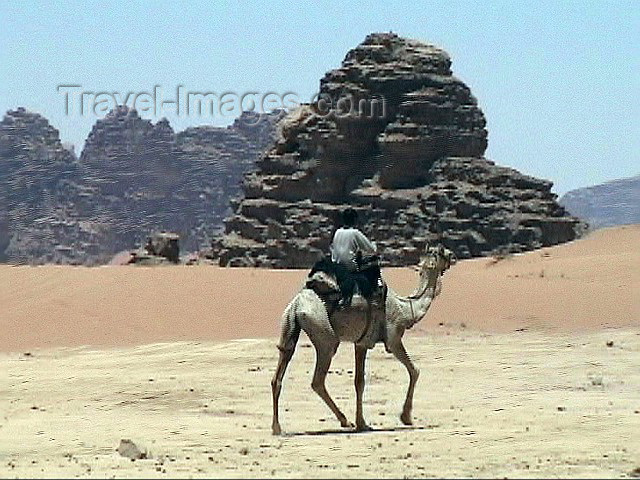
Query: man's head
349	217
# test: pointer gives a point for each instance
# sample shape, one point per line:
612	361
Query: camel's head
438	258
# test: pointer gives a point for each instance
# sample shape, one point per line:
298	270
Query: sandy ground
488	405
590	283
529	369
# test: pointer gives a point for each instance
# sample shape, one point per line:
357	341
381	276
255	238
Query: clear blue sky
558	81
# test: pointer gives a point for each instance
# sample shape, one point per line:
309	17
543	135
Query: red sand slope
587	284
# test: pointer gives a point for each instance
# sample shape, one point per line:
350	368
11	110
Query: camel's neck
415	306
427	285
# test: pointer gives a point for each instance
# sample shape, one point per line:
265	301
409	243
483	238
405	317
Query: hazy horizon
558	83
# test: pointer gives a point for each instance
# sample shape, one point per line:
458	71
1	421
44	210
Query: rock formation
215	161
37	182
133	177
397	136
612	203
162	248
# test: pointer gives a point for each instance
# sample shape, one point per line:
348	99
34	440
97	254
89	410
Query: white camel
308	312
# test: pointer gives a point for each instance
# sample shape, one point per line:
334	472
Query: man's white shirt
346	242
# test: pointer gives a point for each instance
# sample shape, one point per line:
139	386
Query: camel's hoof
363	428
346	424
406	419
275	430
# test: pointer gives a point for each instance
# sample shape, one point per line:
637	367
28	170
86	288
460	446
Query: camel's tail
290	327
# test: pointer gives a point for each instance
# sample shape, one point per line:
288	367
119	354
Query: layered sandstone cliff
37	182
397	136
133	178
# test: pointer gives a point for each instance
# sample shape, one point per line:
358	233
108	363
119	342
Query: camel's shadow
352	431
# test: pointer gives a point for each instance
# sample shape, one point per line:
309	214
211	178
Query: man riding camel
353	264
354	260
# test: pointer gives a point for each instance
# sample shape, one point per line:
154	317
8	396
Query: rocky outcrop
132	177
606	205
401	139
37	186
161	248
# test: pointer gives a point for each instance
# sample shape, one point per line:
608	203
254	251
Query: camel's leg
397	348
276	386
361	356
323	362
287	345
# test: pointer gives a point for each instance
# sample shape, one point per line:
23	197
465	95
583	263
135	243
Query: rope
413	316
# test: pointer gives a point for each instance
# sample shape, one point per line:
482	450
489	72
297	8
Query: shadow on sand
352	431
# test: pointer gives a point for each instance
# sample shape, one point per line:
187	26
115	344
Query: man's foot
344	303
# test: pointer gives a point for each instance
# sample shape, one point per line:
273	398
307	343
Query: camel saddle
331	280
360	290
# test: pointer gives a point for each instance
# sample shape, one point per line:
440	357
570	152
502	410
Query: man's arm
364	243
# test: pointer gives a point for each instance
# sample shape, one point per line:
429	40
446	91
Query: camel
308	312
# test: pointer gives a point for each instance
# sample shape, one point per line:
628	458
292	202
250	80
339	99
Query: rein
422	291
413	315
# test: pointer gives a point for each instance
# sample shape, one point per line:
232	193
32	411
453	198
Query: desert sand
529	368
589	283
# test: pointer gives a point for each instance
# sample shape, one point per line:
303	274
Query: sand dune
590	283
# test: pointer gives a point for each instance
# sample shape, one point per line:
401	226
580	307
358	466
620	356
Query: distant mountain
133	177
605	205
